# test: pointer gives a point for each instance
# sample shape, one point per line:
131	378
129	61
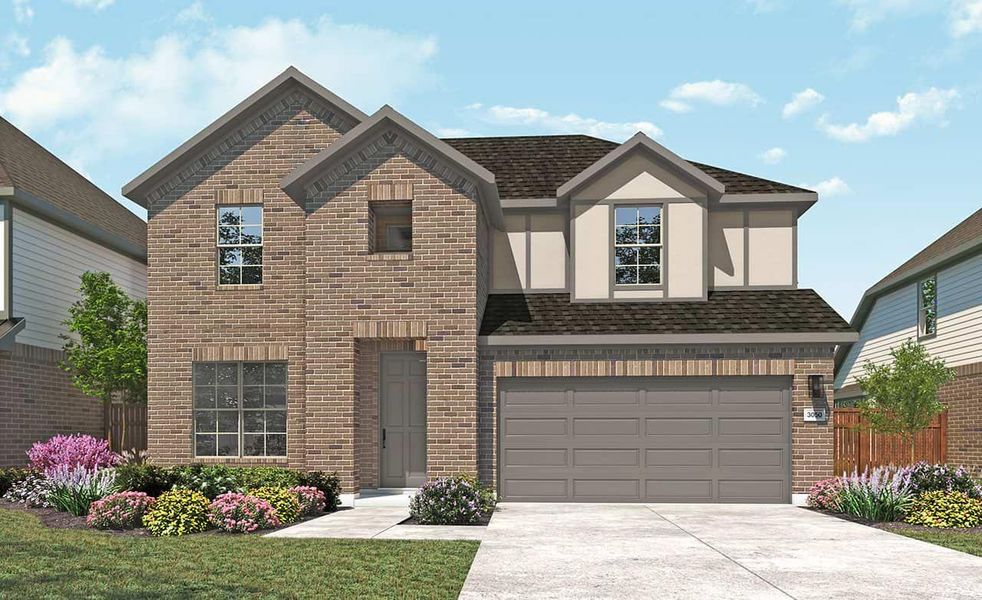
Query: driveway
706	551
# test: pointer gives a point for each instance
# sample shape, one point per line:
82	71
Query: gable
638	177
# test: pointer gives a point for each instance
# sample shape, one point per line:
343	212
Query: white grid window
240	244
239	409
637	245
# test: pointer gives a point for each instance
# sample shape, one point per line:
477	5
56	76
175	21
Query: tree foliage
107	356
901	397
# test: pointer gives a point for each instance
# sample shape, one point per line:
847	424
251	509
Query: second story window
637	245
240	244
927	307
393	225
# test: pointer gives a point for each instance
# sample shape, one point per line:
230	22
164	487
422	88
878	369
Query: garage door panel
606	457
651	439
679	457
675	426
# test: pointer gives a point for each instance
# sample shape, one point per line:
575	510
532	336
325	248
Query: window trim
922	334
219	245
240	411
612	246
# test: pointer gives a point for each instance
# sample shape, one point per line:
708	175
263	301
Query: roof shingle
725	311
535	166
26	165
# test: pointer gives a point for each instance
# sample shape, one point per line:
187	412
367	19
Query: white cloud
866	13
103	105
830	187
965	17
929	106
802	101
569	123
23	11
773	156
95	5
451	132
193	13
719	93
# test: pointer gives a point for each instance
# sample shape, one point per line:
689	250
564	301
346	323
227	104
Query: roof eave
816	337
801	200
136	189
640	140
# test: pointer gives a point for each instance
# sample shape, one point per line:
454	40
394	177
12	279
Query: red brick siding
38	400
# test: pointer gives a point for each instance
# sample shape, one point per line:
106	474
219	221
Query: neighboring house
569	318
934	298
54	225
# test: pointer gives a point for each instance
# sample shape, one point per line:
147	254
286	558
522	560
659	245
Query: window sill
231	287
382	256
242	460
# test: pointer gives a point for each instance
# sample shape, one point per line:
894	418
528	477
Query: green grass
965	541
39	562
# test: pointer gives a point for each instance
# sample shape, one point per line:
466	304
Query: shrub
311	499
32	491
209	480
877	495
11	475
945	509
926	477
238	513
177	512
124	510
256	477
73	489
825	494
329	483
72	451
149	479
457	500
284	502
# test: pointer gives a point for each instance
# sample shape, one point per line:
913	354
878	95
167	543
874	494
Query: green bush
285	502
329	483
11	475
945	509
178	512
210	480
256	477
149	479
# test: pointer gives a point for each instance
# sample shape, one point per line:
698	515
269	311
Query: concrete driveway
706	551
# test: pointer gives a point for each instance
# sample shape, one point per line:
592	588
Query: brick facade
38	400
811	443
963	397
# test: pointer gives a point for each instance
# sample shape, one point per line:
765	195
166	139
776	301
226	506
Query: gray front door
403	419
646	439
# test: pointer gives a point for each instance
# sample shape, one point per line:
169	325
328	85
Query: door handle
383	437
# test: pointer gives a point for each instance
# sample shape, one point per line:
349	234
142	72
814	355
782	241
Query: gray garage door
645	439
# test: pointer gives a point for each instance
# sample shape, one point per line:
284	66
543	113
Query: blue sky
874	103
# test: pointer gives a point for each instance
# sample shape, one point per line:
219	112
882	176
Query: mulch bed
894	525
55	519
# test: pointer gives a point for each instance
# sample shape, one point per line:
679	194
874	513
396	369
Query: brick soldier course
330	303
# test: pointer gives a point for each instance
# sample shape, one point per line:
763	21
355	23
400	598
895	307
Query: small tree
107	356
902	397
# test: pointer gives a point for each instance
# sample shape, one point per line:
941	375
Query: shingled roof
536	166
725	311
26	165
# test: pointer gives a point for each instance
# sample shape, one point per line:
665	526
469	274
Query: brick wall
963	397
811	443
38	400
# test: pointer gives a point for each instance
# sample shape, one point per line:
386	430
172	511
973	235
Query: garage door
645	439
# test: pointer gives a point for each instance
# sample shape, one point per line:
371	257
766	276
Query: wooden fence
136	426
856	447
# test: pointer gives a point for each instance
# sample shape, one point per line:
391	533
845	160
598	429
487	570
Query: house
568	318
54	225
936	299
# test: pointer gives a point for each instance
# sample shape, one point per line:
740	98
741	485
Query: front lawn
964	541
36	561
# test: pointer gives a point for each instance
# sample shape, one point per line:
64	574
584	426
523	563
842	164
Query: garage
645	439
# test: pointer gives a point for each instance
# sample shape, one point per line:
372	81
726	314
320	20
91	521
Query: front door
403	419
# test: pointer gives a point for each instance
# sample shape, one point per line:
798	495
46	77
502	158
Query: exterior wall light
817	385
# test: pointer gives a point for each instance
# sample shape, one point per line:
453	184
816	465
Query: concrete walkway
375	522
706	551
